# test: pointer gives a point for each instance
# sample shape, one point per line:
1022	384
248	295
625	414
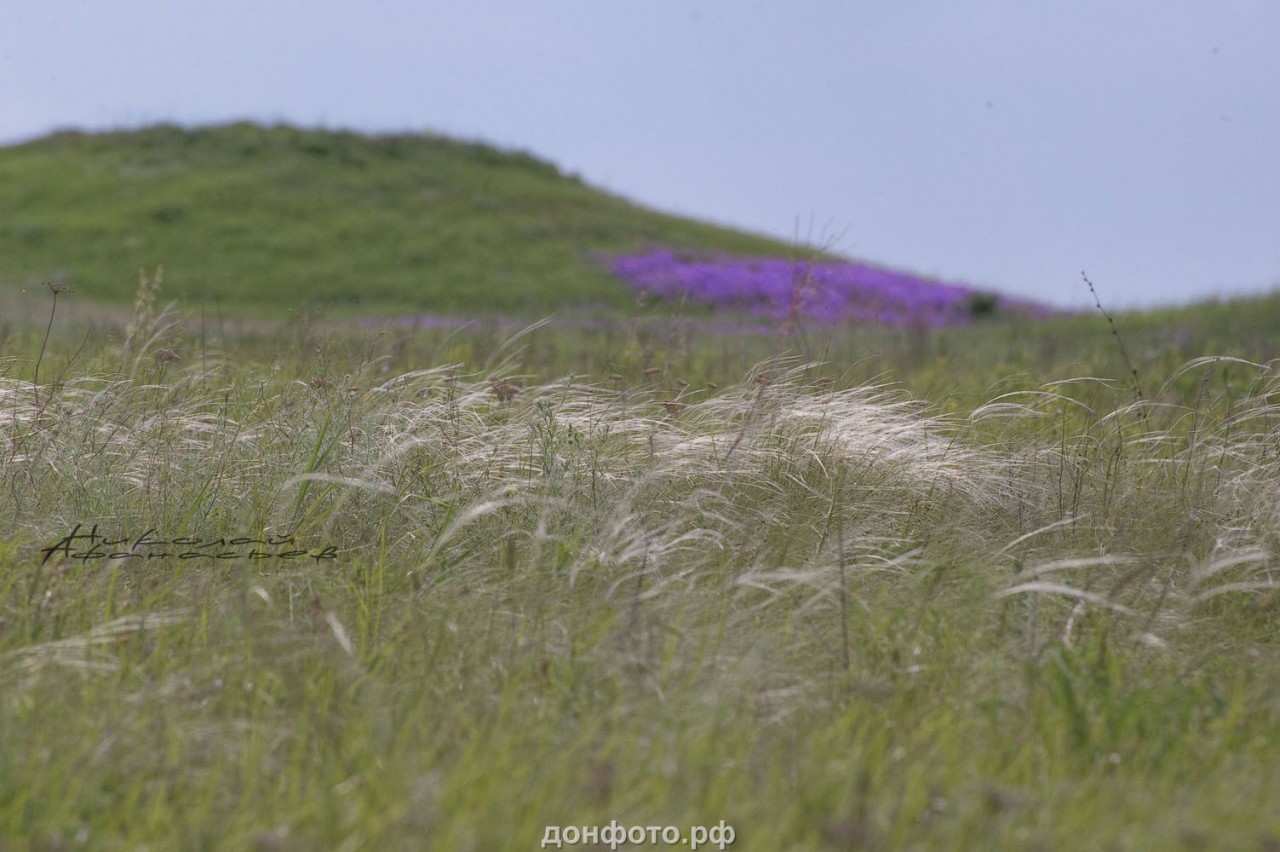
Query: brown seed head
505	391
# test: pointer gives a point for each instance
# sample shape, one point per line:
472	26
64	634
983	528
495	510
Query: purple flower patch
827	292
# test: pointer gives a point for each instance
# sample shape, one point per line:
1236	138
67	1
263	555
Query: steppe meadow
400	493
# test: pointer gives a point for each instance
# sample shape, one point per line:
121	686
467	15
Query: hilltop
260	219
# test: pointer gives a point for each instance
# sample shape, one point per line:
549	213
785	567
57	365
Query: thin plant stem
56	287
1124	353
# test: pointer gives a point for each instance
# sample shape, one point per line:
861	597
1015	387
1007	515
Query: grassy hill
262	218
326	584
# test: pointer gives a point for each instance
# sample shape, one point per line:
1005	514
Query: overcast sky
1005	144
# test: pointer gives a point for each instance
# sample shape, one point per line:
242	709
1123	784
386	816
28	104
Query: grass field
387	587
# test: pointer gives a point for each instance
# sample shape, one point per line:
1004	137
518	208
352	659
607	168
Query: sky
1006	145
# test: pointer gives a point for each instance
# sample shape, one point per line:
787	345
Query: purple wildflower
827	292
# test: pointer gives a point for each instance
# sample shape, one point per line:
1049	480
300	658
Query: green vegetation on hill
259	218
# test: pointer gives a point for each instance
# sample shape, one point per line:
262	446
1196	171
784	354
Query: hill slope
263	218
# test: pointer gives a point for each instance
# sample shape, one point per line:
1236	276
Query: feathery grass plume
767	454
1180	508
146	328
89	651
144	299
731	482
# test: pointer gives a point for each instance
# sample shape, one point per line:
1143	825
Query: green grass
1015	613
254	219
842	588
